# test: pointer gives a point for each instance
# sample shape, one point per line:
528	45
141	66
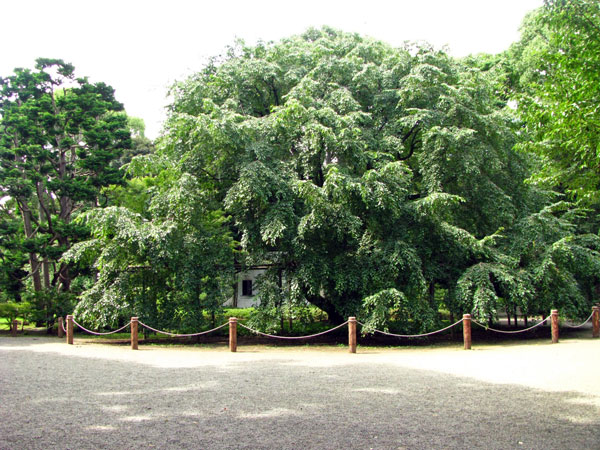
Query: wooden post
70	329
232	334
134	333
467	331
14	328
352	334
61	332
596	321
554	323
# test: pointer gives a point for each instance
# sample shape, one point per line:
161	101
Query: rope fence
511	331
182	335
95	333
581	324
352	323
273	336
415	335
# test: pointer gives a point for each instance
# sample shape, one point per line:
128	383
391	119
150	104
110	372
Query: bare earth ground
532	395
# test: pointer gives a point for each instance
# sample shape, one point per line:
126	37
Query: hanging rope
101	334
292	337
181	335
581	324
414	335
511	332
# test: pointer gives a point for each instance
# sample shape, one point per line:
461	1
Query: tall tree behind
560	104
58	135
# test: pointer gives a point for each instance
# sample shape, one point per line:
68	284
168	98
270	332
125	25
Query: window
247	288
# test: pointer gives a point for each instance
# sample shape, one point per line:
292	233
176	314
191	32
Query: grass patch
5	325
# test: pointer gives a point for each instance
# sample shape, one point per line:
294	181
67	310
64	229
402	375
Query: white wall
242	300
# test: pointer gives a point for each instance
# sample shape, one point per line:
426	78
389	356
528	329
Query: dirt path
533	395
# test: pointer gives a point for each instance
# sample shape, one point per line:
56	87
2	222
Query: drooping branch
412	135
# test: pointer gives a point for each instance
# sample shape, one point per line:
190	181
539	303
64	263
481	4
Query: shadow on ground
51	400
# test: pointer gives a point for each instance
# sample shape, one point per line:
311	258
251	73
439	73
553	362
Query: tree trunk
33	261
46	273
44	216
62	278
332	314
63	271
432	296
281	314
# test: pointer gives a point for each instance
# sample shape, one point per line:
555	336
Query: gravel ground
90	396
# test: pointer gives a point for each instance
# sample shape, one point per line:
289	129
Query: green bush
10	311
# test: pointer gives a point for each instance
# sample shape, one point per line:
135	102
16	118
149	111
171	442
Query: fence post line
61	332
70	329
14	327
467	331
352	334
554	323
232	334
134	333
596	321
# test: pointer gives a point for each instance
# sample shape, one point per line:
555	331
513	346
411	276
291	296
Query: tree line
386	183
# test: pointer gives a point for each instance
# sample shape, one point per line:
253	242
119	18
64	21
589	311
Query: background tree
140	144
58	136
548	254
170	262
559	104
370	180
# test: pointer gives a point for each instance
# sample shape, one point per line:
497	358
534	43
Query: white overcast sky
141	46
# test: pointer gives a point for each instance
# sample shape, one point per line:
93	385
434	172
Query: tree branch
412	134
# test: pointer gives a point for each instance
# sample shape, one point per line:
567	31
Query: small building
245	293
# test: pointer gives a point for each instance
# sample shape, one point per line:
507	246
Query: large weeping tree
364	176
58	137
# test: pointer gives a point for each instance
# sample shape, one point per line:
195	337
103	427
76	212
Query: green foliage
140	144
167	267
354	170
47	306
11	310
540	263
486	287
560	102
58	137
409	313
372	181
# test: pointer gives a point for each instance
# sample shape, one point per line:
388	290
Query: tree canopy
559	98
365	176
379	182
58	136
